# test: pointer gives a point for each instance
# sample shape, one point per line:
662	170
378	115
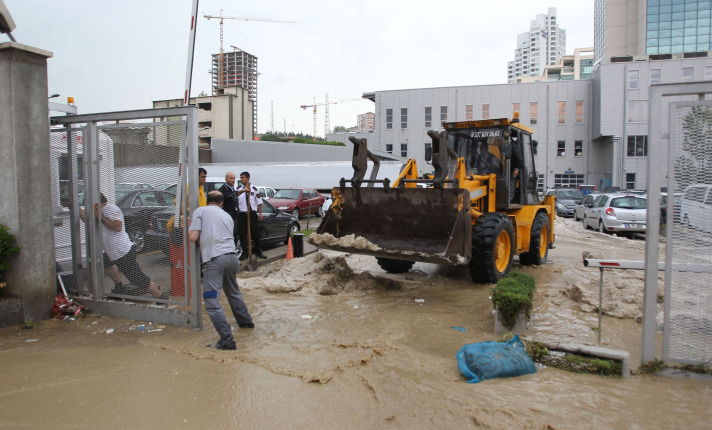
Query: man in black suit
230	202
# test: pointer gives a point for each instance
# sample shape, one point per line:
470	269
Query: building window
561	148
404	150
485	111
579	111
389	119
568	180
637	111
655	75
428	116
578	148
443	113
637	146
562	112
533	112
688	73
708	73
389	148
468	112
630	181
516	108
633	79
404	117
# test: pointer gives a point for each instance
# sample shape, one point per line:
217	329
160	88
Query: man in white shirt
211	227
248	193
119	252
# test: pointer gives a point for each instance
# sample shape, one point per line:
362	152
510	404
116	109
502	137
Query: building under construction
236	69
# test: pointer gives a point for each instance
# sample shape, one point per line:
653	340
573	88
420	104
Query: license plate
634	225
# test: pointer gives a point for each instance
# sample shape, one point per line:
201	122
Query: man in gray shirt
212	228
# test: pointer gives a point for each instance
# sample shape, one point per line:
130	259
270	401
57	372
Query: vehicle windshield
124	186
570	195
287	194
480	148
628	203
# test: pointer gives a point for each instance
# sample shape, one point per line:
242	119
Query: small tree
7	250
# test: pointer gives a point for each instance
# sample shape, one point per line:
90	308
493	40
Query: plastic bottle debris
109	330
155	329
31	340
307	317
419	300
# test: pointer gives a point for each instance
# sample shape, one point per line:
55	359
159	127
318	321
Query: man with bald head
230	202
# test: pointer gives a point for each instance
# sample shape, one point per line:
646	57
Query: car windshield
287	194
628	203
124	186
570	195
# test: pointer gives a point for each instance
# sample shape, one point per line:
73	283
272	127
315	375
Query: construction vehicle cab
480	206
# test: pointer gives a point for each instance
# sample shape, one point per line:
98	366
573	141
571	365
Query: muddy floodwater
339	343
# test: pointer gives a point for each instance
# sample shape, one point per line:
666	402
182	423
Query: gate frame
188	173
656	141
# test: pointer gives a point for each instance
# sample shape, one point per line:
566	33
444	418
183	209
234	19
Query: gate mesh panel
688	328
144	185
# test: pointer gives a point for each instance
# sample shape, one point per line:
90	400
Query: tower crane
242	18
326	104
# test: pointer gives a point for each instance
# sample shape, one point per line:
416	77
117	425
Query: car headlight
560	206
284	208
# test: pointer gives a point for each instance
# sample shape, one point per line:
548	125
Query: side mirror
535	144
428	153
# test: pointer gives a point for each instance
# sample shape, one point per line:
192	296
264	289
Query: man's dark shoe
260	254
246	325
228	347
243	257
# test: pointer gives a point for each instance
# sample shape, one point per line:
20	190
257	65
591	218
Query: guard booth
143	162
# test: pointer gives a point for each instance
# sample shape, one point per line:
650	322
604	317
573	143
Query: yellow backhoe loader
479	207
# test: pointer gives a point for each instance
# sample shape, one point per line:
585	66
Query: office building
544	44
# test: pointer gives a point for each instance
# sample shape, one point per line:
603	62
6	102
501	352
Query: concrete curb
594	351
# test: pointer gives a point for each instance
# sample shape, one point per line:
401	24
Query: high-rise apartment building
544	44
365	121
628	28
236	69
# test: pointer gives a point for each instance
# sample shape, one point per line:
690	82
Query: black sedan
138	206
275	228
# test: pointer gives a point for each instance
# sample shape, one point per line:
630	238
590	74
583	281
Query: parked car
299	201
580	208
586	189
266	192
612	189
696	207
617	213
138	206
132	186
566	200
276	227
171	188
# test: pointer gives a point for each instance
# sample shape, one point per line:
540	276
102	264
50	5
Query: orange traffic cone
290	250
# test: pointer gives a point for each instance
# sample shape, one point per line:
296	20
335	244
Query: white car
696	207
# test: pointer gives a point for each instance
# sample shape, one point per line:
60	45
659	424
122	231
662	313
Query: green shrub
513	295
7	250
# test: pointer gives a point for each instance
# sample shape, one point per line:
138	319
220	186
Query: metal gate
126	166
683	204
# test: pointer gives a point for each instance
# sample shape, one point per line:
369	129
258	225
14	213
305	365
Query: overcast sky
122	55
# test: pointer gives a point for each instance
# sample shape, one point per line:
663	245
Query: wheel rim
138	238
295	212
294	229
320	211
502	252
543	241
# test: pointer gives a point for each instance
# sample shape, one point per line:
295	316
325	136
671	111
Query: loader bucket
416	224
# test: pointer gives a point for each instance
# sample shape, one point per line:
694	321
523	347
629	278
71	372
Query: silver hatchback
617	213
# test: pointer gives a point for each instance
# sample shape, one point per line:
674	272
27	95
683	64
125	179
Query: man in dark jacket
230	202
516	165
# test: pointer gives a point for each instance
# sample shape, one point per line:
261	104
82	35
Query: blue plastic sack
489	360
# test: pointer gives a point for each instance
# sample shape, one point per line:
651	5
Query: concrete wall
25	181
241	151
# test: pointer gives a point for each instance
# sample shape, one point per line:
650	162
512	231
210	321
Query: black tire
292	229
392	265
602	228
492	248
538	242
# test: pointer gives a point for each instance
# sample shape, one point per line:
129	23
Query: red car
298	201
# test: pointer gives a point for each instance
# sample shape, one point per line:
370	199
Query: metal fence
116	191
682	202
